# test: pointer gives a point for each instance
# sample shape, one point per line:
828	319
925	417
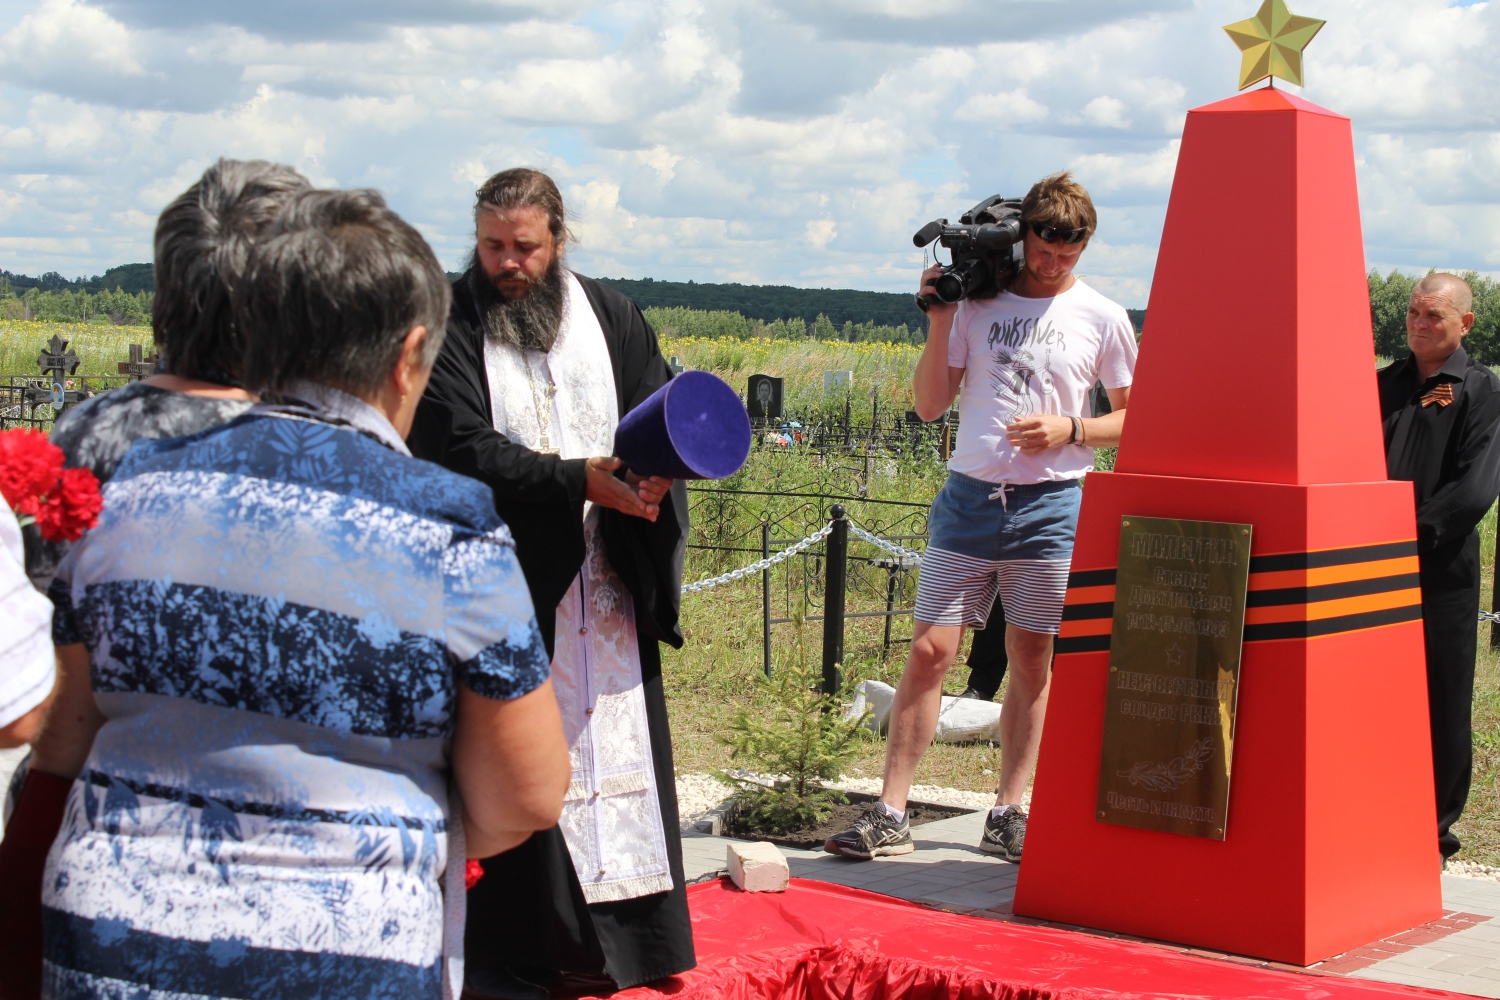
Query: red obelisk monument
1254	403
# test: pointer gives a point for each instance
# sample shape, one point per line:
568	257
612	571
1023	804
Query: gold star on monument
1271	43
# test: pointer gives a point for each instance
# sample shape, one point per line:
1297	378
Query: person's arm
511	764
509	756
935	382
1473	478
28	669
1041	431
648	556
1104	432
22	731
73	719
452	429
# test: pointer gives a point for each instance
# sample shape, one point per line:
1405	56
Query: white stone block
757	867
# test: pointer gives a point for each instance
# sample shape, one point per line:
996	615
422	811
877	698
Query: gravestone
57	361
764	398
838	382
138	367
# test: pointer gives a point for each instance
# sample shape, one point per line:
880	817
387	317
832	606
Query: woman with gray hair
203	239
298	635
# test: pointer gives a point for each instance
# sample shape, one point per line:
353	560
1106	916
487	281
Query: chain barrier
1489	616
761	565
909	557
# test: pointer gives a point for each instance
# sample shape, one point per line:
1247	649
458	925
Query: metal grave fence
819	557
36	401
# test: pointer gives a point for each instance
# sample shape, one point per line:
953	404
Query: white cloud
1151	171
758	140
1013	107
1106	112
820	232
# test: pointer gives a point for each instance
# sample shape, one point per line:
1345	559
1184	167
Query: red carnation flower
64	503
72	508
29	466
473	872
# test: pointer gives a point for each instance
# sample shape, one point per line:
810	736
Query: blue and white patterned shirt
278	612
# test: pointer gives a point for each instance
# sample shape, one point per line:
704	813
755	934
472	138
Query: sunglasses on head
1051	234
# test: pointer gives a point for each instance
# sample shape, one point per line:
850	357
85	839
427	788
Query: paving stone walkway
1460	952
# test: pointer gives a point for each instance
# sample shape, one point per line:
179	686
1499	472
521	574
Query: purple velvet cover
694	427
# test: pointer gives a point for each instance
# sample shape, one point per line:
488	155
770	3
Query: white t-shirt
1026	356
27	666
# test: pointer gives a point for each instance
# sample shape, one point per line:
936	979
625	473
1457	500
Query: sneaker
873	835
1004	835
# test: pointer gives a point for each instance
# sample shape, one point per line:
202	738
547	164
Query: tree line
125	277
769	303
1390	295
122	296
677	321
115	306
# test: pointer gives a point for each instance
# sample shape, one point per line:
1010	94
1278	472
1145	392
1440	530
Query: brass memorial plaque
1174	668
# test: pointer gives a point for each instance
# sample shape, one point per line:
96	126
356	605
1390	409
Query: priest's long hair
533	320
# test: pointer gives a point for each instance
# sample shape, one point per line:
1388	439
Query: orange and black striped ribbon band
1292	595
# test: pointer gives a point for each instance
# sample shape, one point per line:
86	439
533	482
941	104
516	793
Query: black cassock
528	912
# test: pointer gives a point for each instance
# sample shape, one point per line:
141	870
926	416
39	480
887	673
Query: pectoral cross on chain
543	413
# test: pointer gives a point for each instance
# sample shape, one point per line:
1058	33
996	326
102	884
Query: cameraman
1022	364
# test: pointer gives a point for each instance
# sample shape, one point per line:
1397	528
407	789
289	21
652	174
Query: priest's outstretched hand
638	496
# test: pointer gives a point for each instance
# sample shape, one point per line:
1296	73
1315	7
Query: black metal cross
138	367
675	365
58	359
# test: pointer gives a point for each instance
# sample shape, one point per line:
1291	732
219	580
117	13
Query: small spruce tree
803	740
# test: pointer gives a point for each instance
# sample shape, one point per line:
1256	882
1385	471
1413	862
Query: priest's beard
531	322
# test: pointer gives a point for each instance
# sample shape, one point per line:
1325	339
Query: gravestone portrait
763	400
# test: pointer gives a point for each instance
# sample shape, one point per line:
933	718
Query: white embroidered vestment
612	815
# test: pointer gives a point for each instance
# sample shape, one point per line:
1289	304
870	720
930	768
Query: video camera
986	247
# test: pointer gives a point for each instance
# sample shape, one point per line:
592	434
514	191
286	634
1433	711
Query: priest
538	367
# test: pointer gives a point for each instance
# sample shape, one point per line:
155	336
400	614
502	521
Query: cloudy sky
767	141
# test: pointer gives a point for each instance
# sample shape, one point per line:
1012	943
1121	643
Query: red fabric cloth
824	942
23	854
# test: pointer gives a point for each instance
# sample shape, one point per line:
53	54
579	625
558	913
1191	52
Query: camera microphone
929	232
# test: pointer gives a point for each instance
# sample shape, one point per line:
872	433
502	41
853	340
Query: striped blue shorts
982	537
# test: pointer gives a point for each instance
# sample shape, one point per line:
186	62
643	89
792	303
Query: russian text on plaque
1174	668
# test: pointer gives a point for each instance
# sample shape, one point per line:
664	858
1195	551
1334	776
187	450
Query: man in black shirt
1440	410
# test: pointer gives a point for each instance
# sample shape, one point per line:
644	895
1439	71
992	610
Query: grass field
884	370
719	669
99	345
